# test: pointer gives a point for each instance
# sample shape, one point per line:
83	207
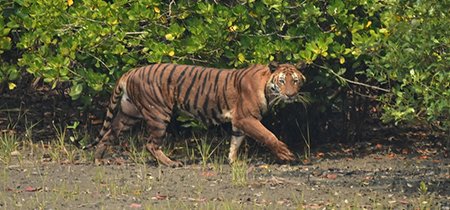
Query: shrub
414	63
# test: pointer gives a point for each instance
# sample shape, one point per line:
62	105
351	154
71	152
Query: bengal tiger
211	95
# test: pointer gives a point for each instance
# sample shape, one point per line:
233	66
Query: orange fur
211	95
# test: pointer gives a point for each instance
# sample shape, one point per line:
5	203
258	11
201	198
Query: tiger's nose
291	95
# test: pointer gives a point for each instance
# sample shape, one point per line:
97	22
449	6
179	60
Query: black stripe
110	109
193	82
155	107
159	137
214	115
251	113
216	81
157	119
259	71
183	72
205	80
245	73
108	119
179	87
154	86
156	128
146	71
182	78
129	124
224	88
156	73
196	99
237	134
202	116
161	74
187	106
143	71
169	79
205	103
130	116
219	107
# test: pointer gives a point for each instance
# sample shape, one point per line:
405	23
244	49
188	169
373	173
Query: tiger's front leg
253	128
237	136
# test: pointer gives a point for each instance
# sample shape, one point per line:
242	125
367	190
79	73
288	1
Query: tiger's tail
115	97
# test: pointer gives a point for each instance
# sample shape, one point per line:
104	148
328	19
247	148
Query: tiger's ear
273	66
300	65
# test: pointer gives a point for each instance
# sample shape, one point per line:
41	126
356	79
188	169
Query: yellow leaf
163	19
169	37
253	14
384	31
136	192
241	57
11	85
171	53
157	10
368	24
69	2
342	60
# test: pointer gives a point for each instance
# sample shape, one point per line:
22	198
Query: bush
8	70
90	43
414	63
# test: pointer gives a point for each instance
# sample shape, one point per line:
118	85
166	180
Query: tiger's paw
174	164
100	161
283	153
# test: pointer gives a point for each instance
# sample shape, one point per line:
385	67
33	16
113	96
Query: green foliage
8	71
92	42
189	122
414	63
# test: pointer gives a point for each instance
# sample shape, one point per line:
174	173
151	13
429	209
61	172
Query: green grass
204	147
239	175
9	143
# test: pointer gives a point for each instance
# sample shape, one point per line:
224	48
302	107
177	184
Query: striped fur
211	95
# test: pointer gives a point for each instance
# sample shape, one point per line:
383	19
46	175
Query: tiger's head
284	82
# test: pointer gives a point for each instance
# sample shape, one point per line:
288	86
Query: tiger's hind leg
156	125
128	116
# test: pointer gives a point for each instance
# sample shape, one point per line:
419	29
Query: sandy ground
329	180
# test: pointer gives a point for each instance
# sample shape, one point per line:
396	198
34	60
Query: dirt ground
336	180
405	170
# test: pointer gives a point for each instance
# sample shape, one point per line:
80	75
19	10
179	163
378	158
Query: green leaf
76	91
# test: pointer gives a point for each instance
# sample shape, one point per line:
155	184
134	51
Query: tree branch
351	81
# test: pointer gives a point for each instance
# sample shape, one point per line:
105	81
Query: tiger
211	95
